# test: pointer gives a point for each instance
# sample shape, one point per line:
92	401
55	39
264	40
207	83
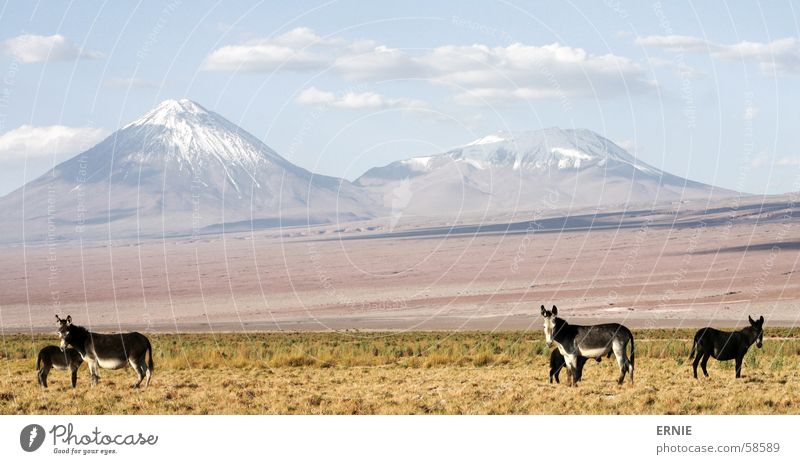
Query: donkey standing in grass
589	341
109	351
724	346
53	357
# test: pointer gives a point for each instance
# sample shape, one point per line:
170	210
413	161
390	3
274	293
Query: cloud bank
477	73
30	48
29	141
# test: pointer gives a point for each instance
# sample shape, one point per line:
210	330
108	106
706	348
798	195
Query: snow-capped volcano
517	171
178	169
188	134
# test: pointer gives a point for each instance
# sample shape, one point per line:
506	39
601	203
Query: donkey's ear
555	310
544	311
761	320
752	322
69	319
58	319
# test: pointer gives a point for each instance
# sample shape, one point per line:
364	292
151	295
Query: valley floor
681	265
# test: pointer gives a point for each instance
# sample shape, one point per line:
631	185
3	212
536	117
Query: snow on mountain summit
169	110
193	137
545	149
491	138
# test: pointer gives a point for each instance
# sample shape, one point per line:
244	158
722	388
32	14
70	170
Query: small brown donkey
51	357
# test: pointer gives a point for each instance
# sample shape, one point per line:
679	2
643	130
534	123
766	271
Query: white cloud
356	100
674	43
305	37
517	71
530	72
129	82
763	159
495	95
30	48
478	72
778	56
379	62
677	66
314	96
788	161
29	141
751	111
296	50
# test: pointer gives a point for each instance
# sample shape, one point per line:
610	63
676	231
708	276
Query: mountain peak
168	112
542	149
491	138
183	105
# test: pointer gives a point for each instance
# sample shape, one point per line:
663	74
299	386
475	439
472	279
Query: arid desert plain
688	264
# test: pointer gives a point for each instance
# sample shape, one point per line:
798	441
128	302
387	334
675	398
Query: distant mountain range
181	169
549	168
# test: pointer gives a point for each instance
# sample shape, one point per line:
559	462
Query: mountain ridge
510	171
181	168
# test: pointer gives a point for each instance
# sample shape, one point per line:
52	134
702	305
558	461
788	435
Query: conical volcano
179	169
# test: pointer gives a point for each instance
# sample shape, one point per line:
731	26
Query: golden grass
405	373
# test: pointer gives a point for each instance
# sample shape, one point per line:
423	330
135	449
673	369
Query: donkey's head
549	324
63	330
758	327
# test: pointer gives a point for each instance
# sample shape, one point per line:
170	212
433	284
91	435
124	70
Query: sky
704	90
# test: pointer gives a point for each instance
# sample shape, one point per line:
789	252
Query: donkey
52	357
557	362
109	351
724	346
591	341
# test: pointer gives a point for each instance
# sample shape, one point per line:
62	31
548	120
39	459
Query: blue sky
704	90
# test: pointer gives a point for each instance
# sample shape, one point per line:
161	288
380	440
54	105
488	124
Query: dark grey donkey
557	363
589	341
109	351
51	357
724	346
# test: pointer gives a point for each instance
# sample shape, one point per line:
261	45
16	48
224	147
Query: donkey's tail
148	355
39	361
633	356
694	347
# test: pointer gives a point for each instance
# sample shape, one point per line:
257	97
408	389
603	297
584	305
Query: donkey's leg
574	363
622	371
136	365
74	376
696	362
703	364
145	372
581	363
739	367
571	362
554	374
622	360
43	375
93	373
